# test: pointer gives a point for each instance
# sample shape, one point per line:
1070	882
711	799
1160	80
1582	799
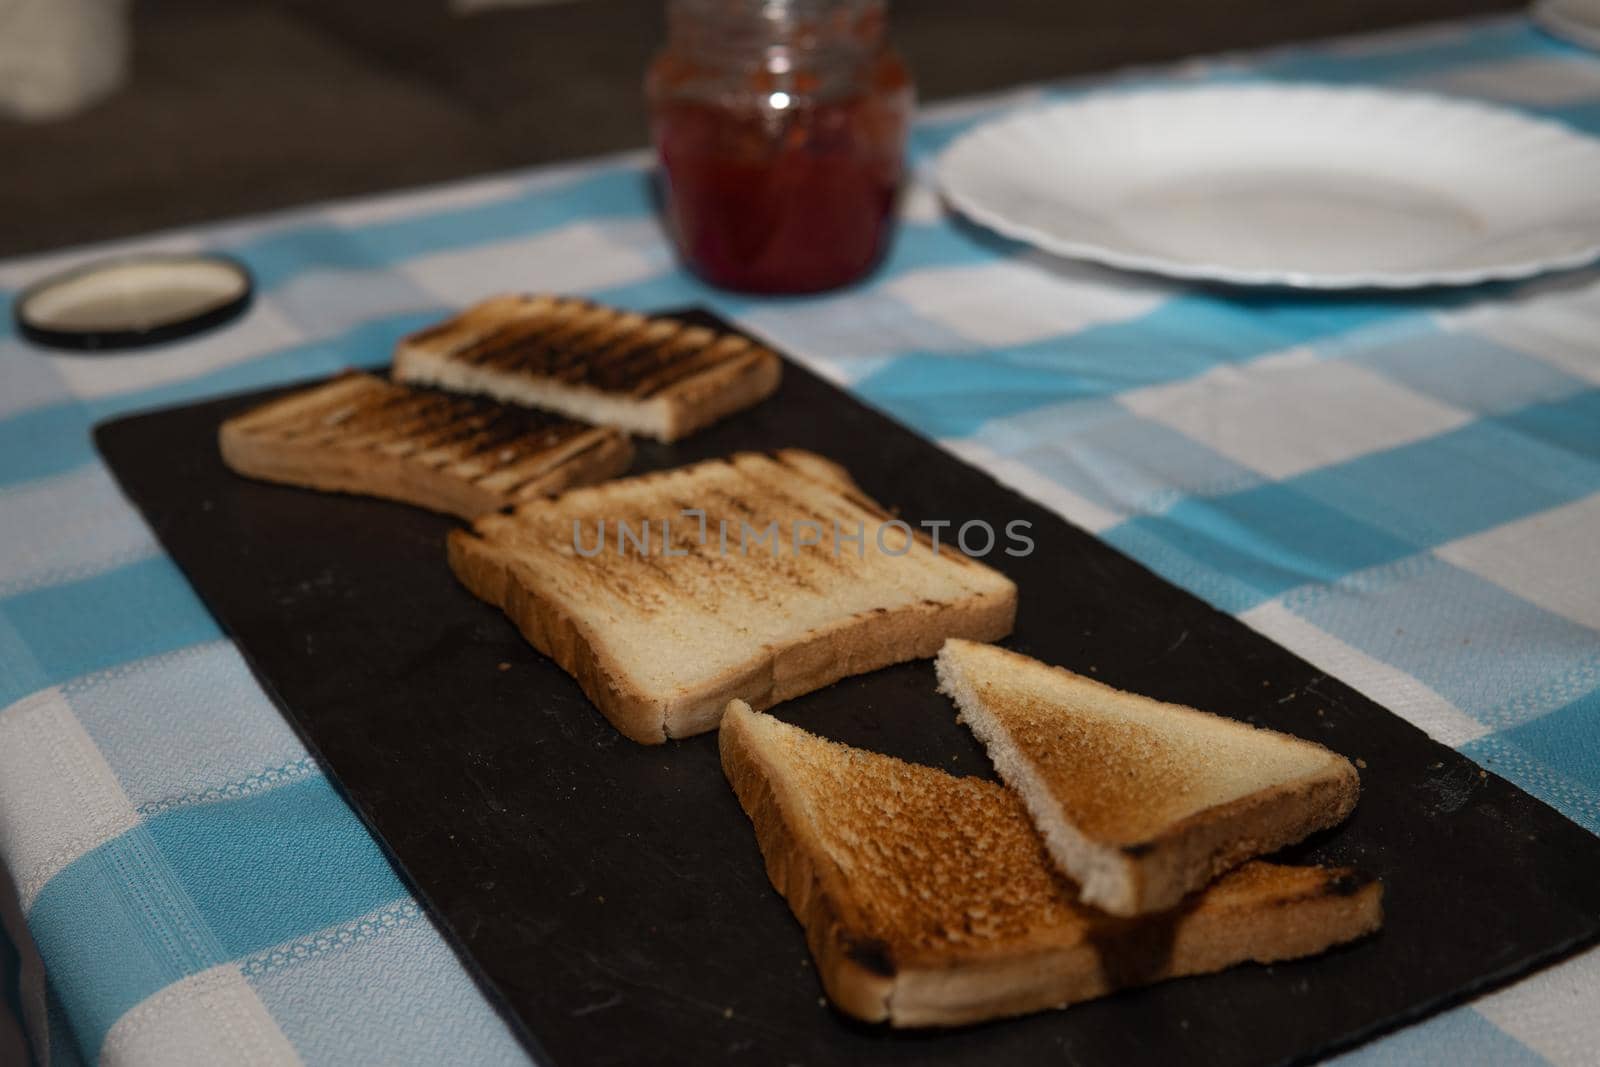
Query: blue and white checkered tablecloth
1403	489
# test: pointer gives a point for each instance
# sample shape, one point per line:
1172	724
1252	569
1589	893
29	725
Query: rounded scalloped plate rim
996	220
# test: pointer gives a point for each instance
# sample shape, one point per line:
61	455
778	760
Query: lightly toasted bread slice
657	377
928	900
1140	802
360	434
662	641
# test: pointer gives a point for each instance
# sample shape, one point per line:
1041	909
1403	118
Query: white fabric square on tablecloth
67	527
263	329
1538	80
58	798
1559	331
1551	559
585	255
1291	413
1390	686
201	700
856	324
324	303
1013	302
1552	1012
206	1018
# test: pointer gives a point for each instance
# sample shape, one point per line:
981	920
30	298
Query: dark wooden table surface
250	105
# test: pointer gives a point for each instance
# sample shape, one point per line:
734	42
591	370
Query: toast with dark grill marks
661	642
459	455
1139	801
929	900
657	377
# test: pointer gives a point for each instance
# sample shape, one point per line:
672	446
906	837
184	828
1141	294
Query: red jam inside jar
781	129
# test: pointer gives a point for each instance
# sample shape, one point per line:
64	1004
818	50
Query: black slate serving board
610	896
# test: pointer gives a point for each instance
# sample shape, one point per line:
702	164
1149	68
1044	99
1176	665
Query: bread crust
491	575
862	642
710	397
1262	912
857	976
1198	848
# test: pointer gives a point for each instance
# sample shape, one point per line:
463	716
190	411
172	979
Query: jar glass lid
133	301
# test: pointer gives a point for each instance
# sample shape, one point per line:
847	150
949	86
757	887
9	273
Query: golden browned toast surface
663	634
930	899
1127	778
1140	801
361	434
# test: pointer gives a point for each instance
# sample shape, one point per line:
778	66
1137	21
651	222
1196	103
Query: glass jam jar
781	127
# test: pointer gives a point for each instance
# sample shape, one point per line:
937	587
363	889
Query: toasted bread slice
467	457
929	900
662	641
657	377
1140	802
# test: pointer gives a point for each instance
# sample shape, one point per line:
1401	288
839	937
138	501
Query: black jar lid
133	301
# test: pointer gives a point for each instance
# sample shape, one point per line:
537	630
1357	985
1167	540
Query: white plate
1307	186
1577	21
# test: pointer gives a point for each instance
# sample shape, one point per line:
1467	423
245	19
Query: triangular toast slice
1140	802
662	634
657	376
929	900
357	433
